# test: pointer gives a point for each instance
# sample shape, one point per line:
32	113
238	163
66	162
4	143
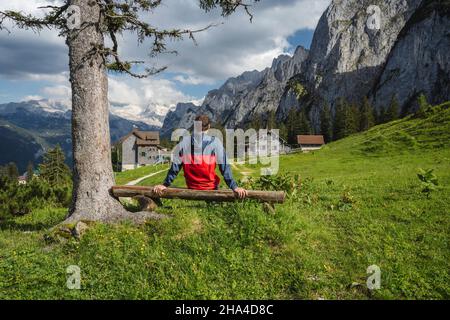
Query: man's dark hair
204	120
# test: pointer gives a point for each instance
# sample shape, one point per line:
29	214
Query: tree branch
117	16
52	19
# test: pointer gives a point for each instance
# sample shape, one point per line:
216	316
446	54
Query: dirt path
134	182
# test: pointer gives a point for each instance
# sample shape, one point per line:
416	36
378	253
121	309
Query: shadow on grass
38	220
13	225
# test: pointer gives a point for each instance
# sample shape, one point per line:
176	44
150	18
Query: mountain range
29	128
409	54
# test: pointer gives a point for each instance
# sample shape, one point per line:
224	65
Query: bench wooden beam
189	194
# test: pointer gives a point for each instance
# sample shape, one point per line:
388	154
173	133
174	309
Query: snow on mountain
154	114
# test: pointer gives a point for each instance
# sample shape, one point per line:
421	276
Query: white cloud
62	77
230	48
59	91
162	92
193	80
145	100
120	92
143	92
223	51
31	97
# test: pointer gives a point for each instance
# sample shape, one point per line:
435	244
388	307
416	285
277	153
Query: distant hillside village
141	148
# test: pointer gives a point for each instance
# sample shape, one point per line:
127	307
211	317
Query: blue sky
35	66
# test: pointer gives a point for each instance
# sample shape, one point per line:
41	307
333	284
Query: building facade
139	148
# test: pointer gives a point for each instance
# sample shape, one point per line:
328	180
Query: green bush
20	199
282	182
428	180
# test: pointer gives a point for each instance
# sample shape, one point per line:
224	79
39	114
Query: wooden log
189	194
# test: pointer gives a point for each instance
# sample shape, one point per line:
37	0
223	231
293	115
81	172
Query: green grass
360	203
131	175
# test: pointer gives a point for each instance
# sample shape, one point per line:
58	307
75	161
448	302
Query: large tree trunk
92	174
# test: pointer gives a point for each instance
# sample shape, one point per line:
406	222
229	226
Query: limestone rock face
253	92
419	62
218	104
347	56
181	117
406	54
266	96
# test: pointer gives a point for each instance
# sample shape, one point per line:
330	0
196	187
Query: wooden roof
143	138
146	138
147	135
310	139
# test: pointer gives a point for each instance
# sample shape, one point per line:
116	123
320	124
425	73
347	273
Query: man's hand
240	192
159	189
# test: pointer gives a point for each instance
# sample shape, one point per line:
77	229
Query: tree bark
92	172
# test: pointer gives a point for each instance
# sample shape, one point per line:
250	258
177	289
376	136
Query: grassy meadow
358	202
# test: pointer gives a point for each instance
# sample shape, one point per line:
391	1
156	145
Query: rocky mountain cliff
240	98
407	54
181	117
420	59
266	96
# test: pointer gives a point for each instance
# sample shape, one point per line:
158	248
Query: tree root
135	217
76	227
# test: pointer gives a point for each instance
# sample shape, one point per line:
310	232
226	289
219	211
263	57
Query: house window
143	154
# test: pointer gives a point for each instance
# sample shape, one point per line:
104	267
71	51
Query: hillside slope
359	204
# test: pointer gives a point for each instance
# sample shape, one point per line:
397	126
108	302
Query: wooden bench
149	200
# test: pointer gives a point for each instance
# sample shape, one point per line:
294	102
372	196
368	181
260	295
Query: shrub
428	181
17	199
282	182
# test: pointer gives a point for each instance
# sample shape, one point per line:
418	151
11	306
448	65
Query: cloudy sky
35	66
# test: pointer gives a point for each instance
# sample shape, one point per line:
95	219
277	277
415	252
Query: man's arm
224	166
172	174
175	168
225	170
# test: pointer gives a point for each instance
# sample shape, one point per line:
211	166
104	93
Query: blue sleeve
224	166
175	167
172	174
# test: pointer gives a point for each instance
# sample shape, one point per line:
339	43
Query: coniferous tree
3	172
91	29
53	168
326	126
392	112
30	171
12	171
383	118
290	126
423	106
256	122
367	118
271	121
302	125
346	120
284	134
339	121
377	116
354	118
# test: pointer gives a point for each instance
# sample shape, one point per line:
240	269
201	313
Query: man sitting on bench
200	163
